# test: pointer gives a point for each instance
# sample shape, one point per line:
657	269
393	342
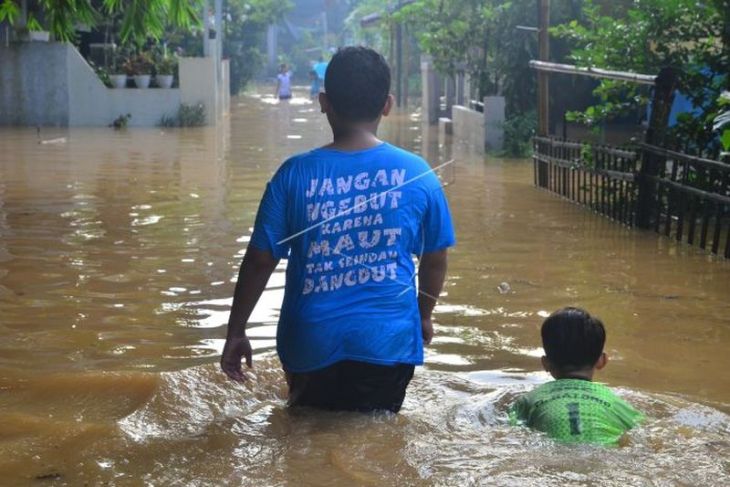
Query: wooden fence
683	197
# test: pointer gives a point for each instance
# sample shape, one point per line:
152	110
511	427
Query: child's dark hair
573	339
357	83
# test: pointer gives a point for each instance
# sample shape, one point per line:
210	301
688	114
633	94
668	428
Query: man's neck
355	138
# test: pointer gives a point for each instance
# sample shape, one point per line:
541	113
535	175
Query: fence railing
600	177
690	199
684	197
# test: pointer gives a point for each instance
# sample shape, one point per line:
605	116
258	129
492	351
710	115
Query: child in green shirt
572	408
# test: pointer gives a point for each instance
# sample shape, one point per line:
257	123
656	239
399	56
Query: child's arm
431	275
518	412
256	269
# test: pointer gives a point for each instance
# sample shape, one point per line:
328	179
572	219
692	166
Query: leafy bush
166	65
518	132
121	121
140	63
102	73
191	115
168	121
187	116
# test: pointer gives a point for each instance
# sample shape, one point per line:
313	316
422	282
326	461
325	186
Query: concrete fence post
461	96
450	95
430	92
199	84
494	122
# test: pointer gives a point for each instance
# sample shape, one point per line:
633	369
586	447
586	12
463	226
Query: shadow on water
118	254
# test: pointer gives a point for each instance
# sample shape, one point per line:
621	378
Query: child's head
573	341
282	68
357	88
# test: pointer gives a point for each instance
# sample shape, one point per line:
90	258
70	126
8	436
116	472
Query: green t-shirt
575	411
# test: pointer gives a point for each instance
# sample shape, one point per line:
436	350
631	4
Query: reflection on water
118	255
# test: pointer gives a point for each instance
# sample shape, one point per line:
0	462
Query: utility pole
399	64
218	5
324	27
543	92
656	133
399	61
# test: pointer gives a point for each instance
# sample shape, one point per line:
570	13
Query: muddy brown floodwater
118	254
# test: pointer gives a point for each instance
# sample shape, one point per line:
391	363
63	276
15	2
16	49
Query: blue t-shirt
350	224
321	69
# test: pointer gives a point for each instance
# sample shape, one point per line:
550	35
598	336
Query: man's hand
427	330
233	351
431	274
256	269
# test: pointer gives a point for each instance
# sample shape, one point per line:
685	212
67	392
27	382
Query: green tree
482	38
245	31
376	36
646	36
140	19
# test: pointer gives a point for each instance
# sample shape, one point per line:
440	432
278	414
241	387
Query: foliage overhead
377	36
140	19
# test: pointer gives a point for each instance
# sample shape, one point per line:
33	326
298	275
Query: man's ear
324	103
545	363
389	102
602	361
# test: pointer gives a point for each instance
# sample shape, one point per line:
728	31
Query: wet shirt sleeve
626	415
519	412
438	229
271	226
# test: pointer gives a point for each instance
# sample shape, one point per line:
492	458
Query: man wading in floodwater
349	217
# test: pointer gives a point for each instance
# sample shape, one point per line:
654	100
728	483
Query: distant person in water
572	408
283	83
320	69
349	217
315	86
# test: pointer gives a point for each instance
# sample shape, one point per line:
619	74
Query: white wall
481	131
468	127
50	84
494	122
198	76
33	84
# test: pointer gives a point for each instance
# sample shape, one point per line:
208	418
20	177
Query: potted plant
165	71
139	67
118	76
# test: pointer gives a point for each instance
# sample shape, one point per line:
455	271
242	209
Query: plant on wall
166	65
186	116
139	63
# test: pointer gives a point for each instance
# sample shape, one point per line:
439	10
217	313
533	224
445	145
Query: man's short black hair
573	339
357	83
